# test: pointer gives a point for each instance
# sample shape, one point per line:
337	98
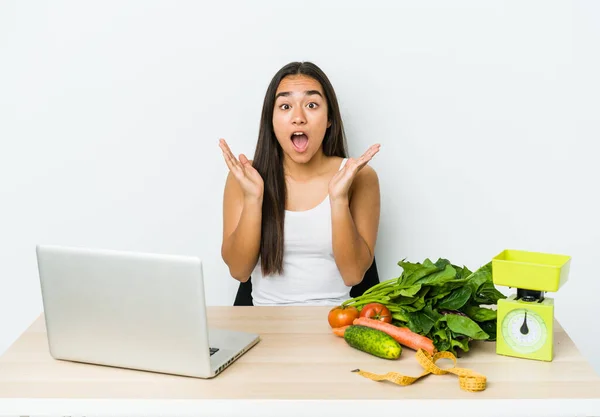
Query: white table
299	367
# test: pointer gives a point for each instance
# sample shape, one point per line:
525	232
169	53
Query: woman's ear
328	124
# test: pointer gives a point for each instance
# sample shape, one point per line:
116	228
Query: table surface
298	358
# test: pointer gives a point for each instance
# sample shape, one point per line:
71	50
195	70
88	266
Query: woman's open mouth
299	141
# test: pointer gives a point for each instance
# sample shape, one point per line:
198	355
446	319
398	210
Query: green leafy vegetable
479	313
488	294
456	299
490	328
465	326
440	300
423	321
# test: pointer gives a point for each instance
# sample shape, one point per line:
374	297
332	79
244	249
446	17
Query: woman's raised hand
246	175
342	180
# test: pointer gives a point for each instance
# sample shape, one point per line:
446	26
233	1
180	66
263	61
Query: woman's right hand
246	175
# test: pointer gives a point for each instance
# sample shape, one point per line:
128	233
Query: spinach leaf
488	294
423	321
490	328
461	273
480	313
404	301
408	267
413	323
410	291
465	326
461	342
444	289
442	345
439	277
415	275
456	299
440	296
416	305
441	263
442	339
479	277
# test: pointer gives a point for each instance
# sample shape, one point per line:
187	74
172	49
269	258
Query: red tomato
342	316
376	311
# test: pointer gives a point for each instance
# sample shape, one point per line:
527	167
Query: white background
487	113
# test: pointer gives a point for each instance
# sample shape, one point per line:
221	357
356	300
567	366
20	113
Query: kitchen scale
525	327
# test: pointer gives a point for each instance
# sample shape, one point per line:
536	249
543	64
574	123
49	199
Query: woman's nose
298	116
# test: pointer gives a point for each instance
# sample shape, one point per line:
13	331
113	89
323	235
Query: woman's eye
284	106
312	105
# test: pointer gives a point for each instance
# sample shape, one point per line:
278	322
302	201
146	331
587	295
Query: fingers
244	160
225	148
231	162
355	165
230	159
368	155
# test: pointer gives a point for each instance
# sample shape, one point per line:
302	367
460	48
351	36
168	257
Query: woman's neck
305	171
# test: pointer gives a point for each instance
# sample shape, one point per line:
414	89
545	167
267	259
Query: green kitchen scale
525	326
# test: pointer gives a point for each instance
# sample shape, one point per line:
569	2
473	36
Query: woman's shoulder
366	178
367	175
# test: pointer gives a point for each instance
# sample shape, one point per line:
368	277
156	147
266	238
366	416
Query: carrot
339	331
402	335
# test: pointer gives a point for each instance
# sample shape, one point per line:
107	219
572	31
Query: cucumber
372	341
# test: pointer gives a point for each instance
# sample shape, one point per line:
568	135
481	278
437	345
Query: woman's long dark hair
268	161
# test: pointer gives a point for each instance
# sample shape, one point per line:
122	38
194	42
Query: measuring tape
467	379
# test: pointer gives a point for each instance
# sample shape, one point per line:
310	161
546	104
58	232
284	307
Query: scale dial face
524	330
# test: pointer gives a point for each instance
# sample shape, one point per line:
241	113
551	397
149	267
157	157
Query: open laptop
133	310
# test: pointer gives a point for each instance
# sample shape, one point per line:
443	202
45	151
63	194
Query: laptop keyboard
213	351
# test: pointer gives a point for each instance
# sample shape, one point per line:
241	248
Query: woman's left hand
342	180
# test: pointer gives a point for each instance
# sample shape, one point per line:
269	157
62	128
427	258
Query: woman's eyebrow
306	93
312	93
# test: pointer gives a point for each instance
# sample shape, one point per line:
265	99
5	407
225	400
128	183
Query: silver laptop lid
132	310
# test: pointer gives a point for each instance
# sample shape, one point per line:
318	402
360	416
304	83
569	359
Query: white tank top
310	275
